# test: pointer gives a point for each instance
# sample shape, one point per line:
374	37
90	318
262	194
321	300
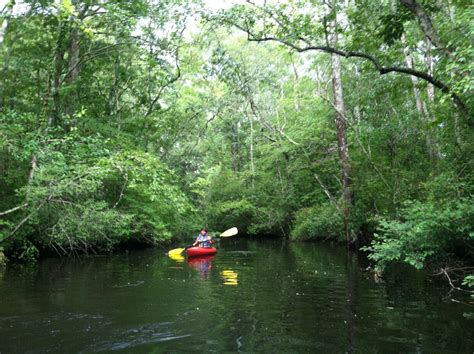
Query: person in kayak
203	240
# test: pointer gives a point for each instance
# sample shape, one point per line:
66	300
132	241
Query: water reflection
177	257
230	277
290	298
202	264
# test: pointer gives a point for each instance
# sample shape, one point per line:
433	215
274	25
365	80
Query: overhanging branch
251	37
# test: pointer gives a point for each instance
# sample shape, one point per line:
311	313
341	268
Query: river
253	296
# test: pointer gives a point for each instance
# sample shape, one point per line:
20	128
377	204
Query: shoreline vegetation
129	122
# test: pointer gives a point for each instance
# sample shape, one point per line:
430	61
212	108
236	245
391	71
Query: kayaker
203	240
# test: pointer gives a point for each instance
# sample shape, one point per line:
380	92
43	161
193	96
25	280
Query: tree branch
121	191
89	56
251	37
426	25
13	209
445	272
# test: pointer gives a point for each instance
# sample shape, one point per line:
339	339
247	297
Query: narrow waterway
253	296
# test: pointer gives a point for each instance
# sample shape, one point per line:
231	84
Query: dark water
254	296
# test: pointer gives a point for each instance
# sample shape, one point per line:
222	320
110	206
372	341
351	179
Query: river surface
253	296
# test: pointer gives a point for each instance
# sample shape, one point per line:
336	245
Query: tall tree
340	120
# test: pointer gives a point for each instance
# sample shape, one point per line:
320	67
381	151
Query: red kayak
201	251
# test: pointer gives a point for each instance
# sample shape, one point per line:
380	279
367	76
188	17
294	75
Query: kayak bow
201	251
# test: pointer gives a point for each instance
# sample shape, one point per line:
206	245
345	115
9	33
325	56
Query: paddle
227	233
176	252
231	232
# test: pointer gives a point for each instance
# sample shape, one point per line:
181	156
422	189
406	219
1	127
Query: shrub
226	214
425	230
95	204
318	223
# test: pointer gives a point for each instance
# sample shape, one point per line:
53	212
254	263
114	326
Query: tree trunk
4	25
55	112
430	64
254	115
74	45
7	12
296	90
3	30
74	52
252	162
73	73
426	25
430	90
113	103
341	134
235	146
424	114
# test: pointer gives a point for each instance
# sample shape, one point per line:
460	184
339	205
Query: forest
127	123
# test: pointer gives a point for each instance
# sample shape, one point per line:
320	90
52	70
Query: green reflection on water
252	296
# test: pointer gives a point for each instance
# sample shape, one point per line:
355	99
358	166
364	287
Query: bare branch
445	272
121	192
20	224
13	209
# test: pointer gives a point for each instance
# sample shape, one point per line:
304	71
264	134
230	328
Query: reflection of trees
281	302
92	297
416	302
351	271
322	269
296	297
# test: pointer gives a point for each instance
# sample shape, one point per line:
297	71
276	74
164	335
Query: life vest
204	241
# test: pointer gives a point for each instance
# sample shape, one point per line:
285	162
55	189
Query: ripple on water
133	337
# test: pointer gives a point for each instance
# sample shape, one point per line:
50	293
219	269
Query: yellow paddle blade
176	257
176	251
231	232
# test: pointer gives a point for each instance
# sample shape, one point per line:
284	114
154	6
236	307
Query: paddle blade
177	257
231	232
176	252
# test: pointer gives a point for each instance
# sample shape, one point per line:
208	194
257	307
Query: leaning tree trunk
341	131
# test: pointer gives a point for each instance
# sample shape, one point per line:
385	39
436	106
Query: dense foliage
136	121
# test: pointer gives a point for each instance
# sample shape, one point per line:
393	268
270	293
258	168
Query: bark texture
341	131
